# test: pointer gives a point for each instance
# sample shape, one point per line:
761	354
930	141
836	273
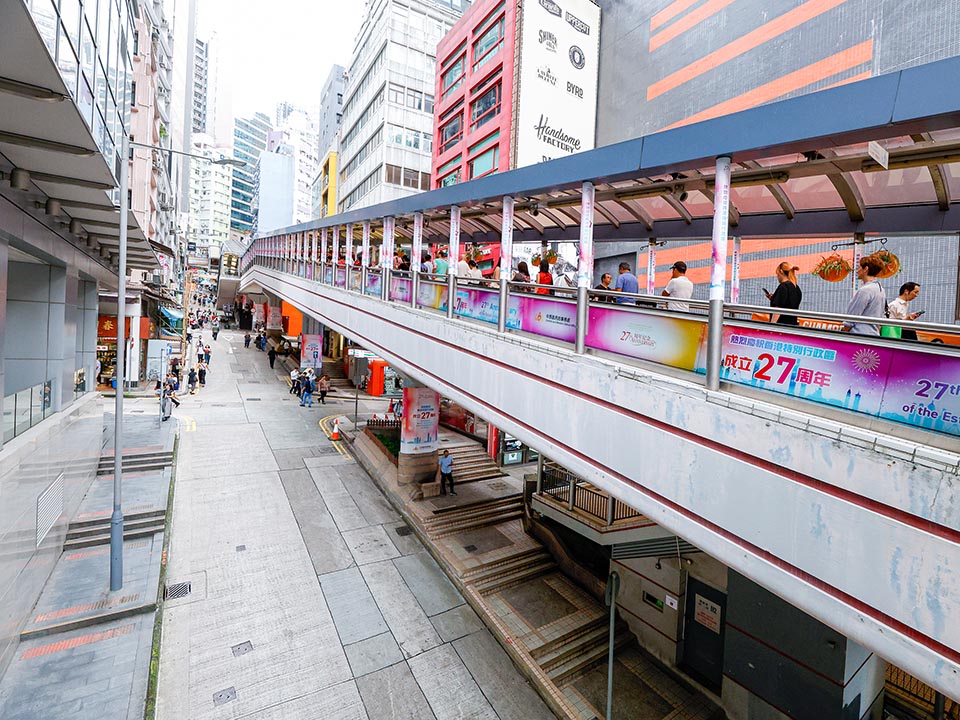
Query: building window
414	100
451	179
488	45
453	77
486	107
395	94
339	98
485	163
451	133
411	178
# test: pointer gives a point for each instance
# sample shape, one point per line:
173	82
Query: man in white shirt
463	268
869	300
679	287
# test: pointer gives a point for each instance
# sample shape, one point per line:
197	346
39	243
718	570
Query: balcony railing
557	482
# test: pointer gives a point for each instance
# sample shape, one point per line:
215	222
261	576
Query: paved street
308	597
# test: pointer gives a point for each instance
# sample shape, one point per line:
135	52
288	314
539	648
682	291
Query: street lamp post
116	519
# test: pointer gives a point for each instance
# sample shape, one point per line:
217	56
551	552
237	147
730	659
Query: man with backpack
306	391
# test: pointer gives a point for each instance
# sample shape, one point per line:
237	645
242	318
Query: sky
280	49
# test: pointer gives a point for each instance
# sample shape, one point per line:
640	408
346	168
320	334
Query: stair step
104	527
438	521
590	635
104	539
509	568
453	509
472	573
562	641
582	663
145	457
128	517
528	573
473	524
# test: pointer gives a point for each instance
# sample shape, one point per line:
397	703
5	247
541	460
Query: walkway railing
557	482
908	382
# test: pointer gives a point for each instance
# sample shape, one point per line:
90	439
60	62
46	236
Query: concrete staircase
471	462
509	571
136	462
450	521
88	533
581	649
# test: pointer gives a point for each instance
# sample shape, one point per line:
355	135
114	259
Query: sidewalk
85	653
309	597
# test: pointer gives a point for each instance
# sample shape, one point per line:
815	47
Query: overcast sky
281	49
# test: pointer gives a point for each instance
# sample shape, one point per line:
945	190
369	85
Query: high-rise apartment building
200	86
286	172
386	131
249	140
331	108
210	194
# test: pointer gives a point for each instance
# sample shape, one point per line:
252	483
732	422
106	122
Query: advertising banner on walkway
400	289
548	318
341	277
484	305
274	318
373	284
311	352
904	385
673	341
923	390
429	295
420	429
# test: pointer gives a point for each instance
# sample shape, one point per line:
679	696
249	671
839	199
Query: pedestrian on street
166	402
446	473
323	387
202	373
306	389
206	354
869	300
272	356
216	331
192	381
294	381
246	340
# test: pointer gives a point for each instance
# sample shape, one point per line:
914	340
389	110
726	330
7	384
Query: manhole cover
177	590
242	649
253	399
404	530
225	696
241	548
470	548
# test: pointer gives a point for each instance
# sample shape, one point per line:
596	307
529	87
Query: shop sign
707	613
107	326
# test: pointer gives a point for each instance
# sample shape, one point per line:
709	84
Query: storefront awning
172	314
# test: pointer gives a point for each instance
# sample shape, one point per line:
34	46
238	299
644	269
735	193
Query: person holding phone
787	295
899	308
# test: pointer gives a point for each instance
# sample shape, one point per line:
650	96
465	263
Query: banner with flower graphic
907	386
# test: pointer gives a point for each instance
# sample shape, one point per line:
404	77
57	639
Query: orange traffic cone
336	430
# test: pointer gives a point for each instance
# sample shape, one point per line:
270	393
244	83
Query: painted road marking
76	642
187	423
337	444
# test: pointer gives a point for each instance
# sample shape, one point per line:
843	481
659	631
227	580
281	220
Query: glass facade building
249	140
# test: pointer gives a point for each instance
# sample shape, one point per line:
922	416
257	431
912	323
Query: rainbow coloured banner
673	341
420	429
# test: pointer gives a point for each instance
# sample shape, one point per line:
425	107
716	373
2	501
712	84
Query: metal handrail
734	309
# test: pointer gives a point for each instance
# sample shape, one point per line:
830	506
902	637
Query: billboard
274	318
420	429
559	62
311	352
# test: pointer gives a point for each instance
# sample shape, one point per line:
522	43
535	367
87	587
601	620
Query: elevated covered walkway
822	466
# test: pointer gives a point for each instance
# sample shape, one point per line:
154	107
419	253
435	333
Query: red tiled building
474	91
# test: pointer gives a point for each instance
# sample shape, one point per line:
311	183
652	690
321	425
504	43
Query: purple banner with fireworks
903	385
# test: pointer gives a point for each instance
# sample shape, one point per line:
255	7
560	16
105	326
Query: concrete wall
649	79
772	492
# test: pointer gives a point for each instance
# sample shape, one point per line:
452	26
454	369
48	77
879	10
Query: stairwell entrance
704	622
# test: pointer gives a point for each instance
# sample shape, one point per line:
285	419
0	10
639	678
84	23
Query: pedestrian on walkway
192	381
446	473
323	387
869	300
544	278
272	356
246	340
202	373
306	390
206	354
626	283
678	287
787	295
899	308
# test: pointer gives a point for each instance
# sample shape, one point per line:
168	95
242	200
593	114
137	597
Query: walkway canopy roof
801	167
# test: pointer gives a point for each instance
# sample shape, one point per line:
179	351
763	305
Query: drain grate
403	530
253	399
242	649
177	590
225	696
470	548
241	548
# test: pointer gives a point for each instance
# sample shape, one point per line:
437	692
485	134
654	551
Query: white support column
313	255
364	256
858	242
417	259
453	259
348	255
336	252
506	262
652	266
585	266
324	244
718	274
386	257
735	272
